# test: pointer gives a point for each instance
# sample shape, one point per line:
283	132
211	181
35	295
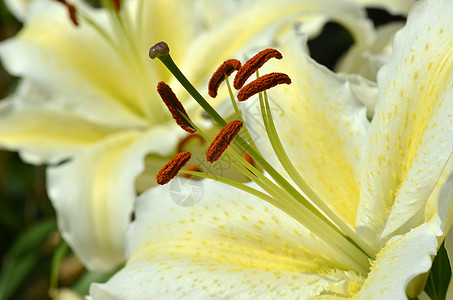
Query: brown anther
72	14
252	65
248	158
261	84
228	67
223	140
171	169
116	5
72	11
184	141
194	168
174	106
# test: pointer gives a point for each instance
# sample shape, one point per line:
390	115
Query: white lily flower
387	186
88	95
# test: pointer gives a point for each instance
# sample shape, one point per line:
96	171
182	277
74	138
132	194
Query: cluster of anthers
228	133
300	202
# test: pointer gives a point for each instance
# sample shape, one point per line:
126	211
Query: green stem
289	167
56	262
170	64
238	113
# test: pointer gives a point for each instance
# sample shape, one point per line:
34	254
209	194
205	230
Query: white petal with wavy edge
229	245
241	32
368	61
410	136
322	126
94	193
42	132
364	90
234	245
401	260
439	212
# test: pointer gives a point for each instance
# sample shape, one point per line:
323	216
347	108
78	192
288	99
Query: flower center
300	202
124	35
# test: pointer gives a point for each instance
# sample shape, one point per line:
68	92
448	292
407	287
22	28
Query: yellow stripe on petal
410	137
401	260
223	248
97	187
43	134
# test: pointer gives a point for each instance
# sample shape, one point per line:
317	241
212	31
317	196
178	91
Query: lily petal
322	126
41	132
439	206
368	61
241	32
364	90
401	260
410	136
78	192
221	248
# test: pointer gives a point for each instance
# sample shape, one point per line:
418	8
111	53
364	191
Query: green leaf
58	256
23	257
439	276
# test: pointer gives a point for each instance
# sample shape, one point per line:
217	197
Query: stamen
248	158
228	67
277	190
261	84
162	51
223	140
72	11
184	141
171	169
252	65
159	50
174	106
116	4
72	14
192	168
